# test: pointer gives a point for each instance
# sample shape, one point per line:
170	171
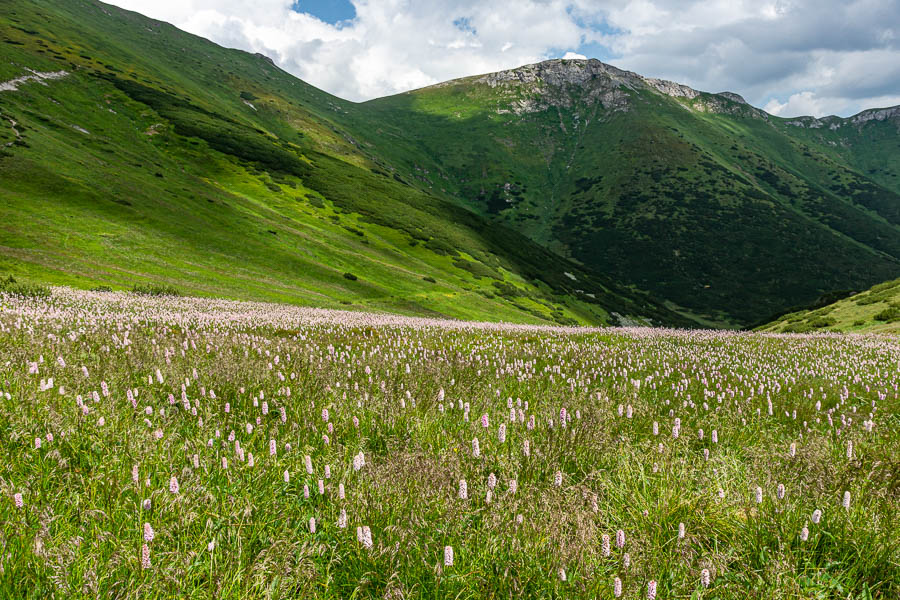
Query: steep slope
706	201
877	310
132	151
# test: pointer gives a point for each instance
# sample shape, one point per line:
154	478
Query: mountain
133	152
876	310
700	198
566	191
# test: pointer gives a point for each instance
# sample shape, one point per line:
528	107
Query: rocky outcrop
562	83
833	123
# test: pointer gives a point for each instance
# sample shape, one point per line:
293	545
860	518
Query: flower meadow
161	447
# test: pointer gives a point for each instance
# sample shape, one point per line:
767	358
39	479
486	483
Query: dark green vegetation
555	192
163	160
700	198
876	310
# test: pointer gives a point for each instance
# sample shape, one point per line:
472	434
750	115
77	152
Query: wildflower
367	536
476	449
501	433
558	479
273	447
37	443
463	490
849	449
312	524
520	518
101	422
793	450
145	556
804	534
147	504
620	539
846	502
211	546
704	578
681	531
492	481
17	498
513	486
605	545
287	476
308	460
342	519
759	495
173	485
780	491
617	587
341	491
651	590
148	533
321	487
526	448
484	420
327	471
562	574
816	516
714	436
448	556
626	560
655	428
306	491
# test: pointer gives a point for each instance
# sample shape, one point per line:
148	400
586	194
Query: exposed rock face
562	83
832	122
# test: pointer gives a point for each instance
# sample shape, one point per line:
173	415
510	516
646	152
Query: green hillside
133	152
876	310
567	191
699	198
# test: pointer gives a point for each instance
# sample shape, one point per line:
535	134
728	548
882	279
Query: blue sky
329	11
791	57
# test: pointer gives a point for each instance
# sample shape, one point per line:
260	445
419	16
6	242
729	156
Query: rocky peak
535	87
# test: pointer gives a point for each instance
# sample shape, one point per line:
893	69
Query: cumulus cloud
812	56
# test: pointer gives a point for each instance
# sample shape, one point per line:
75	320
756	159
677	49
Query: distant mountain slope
132	151
876	310
552	192
700	198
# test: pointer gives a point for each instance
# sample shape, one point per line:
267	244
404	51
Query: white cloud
824	56
573	56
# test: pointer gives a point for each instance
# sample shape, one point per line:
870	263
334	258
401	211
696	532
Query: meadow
163	447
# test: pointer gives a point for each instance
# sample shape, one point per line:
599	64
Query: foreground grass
263	413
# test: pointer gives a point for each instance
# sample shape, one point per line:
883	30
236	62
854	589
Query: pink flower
484	420
463	490
620	539
448	556
145	556
651	590
173	485
617	587
273	448
148	533
17	498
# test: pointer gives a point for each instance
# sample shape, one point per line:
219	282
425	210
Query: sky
790	57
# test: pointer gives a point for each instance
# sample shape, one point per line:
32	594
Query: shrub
101	288
155	289
889	315
429	279
350	276
21	288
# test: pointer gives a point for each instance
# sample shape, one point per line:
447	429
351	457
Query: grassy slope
146	163
876	310
735	211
